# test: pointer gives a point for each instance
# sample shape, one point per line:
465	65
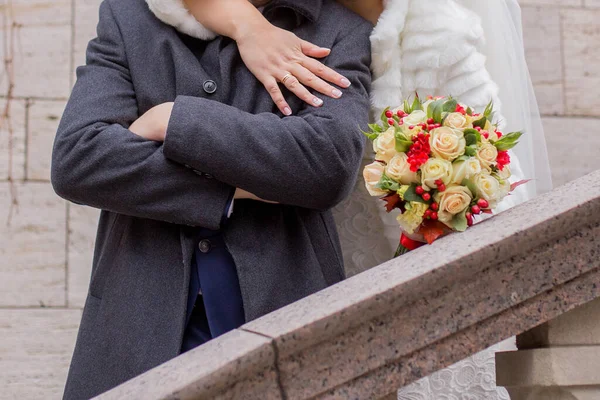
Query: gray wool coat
153	195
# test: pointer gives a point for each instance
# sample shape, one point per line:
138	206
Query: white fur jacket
414	50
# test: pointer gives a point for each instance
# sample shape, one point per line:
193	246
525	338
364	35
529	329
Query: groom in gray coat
223	133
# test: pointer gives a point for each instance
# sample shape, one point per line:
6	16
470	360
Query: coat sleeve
309	160
98	162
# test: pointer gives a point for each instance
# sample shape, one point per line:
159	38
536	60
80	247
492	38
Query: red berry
476	209
426	196
428	213
431	127
401	113
420	190
411	127
389	114
434	216
483	203
442	188
401	122
439	182
469	219
499	134
486	135
434	206
431	121
391	121
478	129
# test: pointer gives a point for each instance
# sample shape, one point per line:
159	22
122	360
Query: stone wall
46	247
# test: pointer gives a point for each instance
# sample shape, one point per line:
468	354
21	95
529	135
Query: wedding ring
286	77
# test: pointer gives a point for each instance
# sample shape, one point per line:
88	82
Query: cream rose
412	218
385	145
447	143
457	121
399	169
433	170
487	154
415	118
454	200
462	170
489	188
372	174
505	174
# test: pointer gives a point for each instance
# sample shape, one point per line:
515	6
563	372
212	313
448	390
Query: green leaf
461	158
416	105
375	128
508	141
480	122
437	108
471	186
370	135
411	195
387	183
450	105
407	107
489	110
471	151
459	222
471	139
383	118
402	142
469	111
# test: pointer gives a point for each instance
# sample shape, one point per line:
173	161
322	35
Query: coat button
210	86
204	246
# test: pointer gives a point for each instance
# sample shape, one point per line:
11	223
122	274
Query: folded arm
309	160
98	162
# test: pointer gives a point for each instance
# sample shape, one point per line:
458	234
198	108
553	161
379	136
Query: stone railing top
350	339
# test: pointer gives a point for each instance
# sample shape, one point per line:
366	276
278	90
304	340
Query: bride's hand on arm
271	53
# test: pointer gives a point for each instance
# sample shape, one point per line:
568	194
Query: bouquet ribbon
410	244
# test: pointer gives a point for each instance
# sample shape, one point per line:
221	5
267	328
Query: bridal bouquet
440	163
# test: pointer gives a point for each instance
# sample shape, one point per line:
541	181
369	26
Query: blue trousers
220	308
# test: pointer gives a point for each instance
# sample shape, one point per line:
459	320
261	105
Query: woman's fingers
312	50
293	84
309	79
273	88
325	72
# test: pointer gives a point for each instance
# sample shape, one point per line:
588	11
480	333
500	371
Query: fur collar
174	13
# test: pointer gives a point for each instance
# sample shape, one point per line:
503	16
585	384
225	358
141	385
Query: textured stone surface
36	348
44	117
17	124
572	146
32	247
82	234
41	55
580	327
236	365
556	366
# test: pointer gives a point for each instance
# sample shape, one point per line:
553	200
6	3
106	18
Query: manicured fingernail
287	111
336	93
346	82
317	101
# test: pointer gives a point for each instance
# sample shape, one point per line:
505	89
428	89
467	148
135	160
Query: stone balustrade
387	327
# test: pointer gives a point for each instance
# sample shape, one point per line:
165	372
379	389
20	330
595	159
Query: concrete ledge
559	366
235	366
409	317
